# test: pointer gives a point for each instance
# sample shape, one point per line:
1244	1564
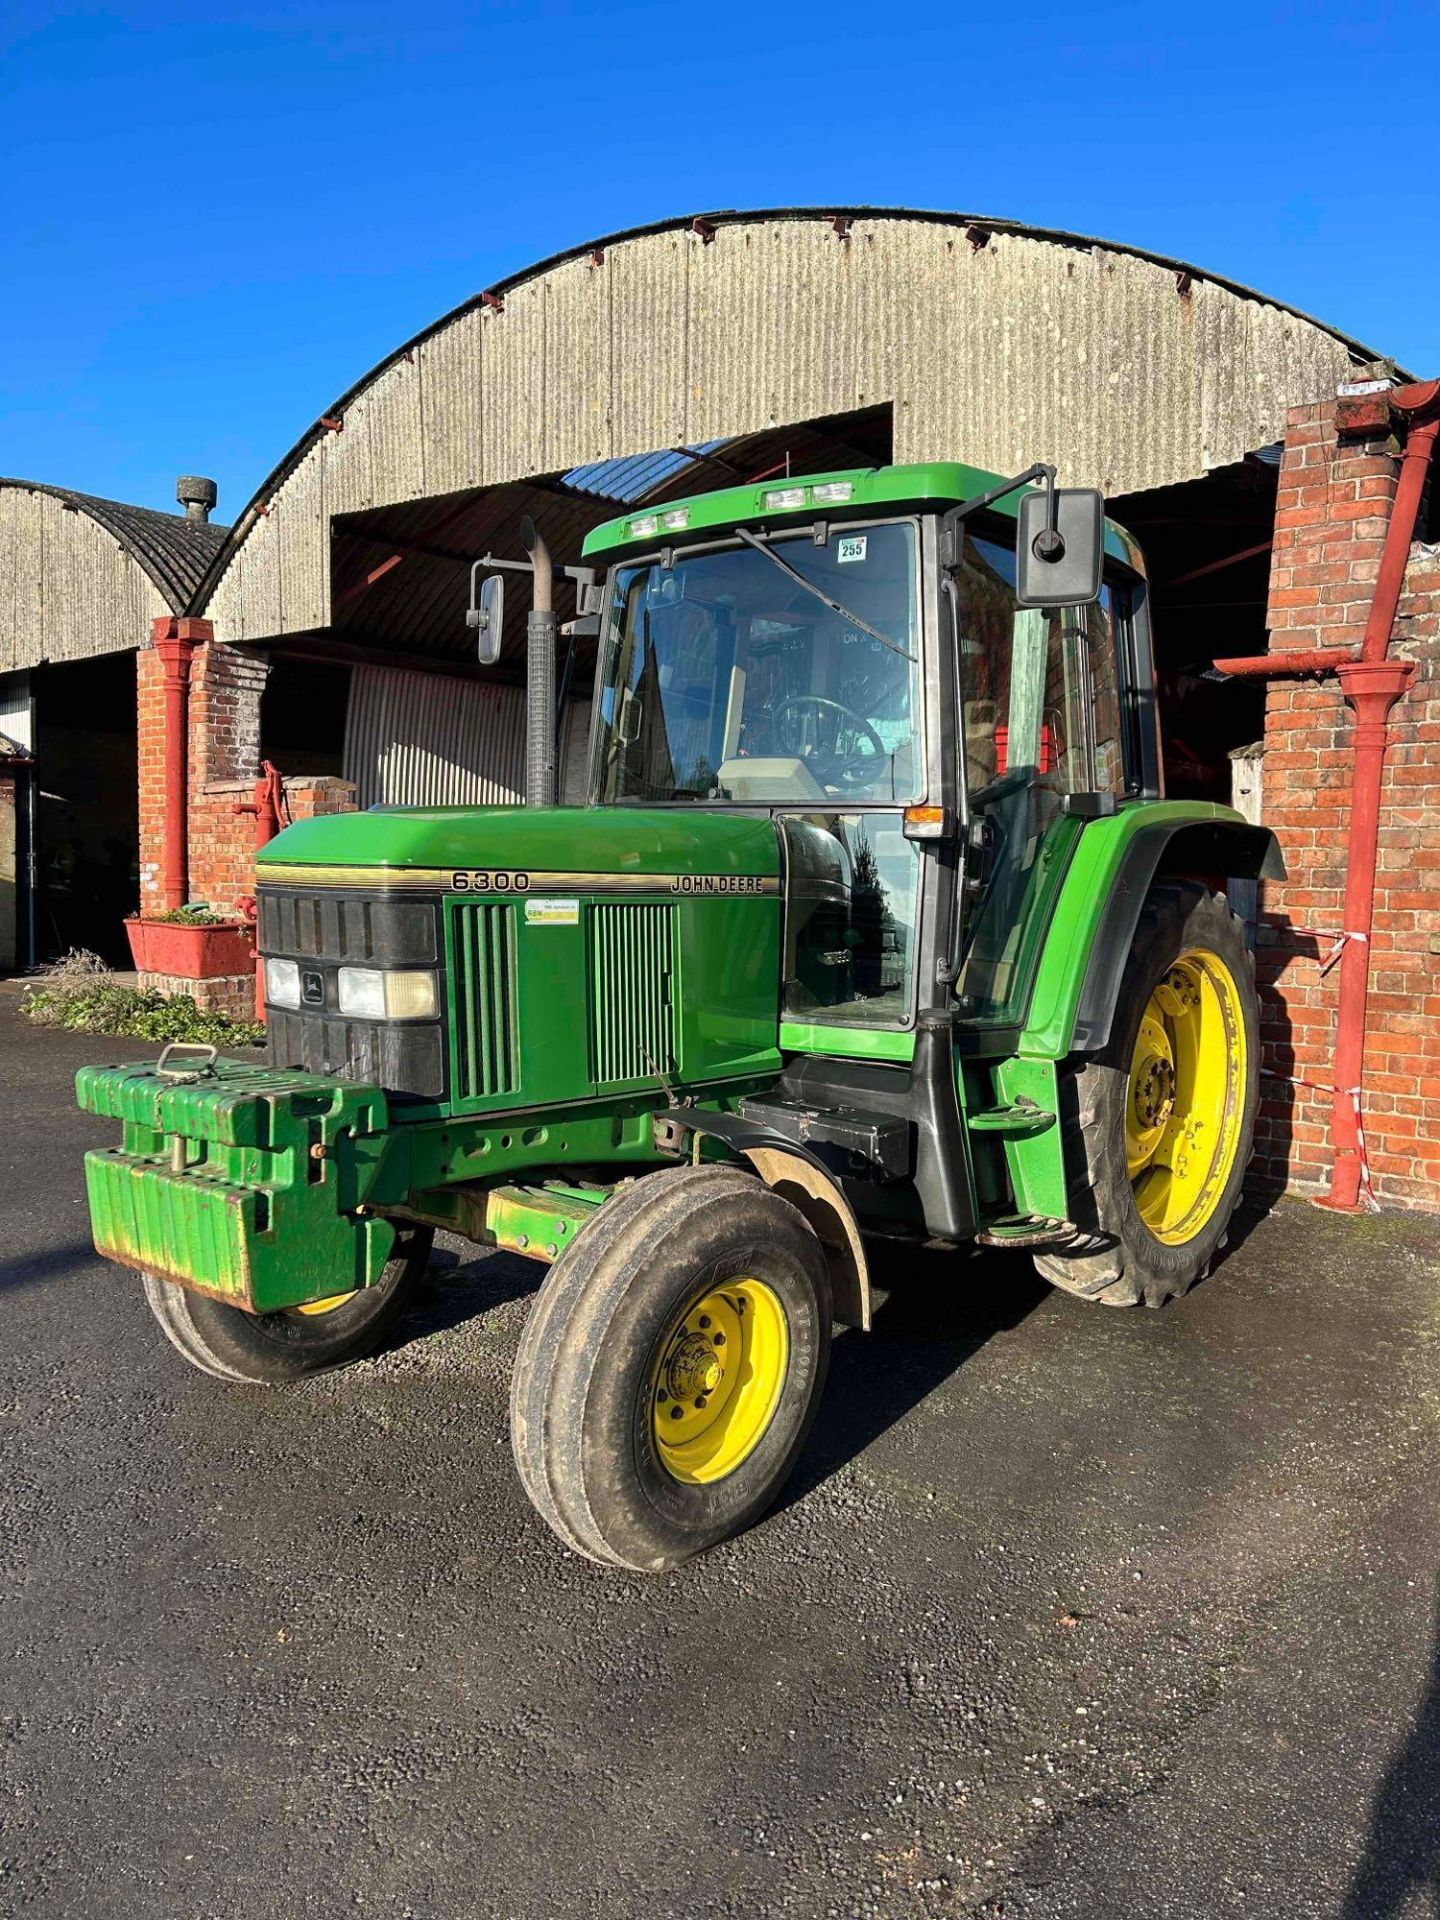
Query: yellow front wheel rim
717	1380
1186	1097
327	1305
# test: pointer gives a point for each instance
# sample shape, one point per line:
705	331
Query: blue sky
218	216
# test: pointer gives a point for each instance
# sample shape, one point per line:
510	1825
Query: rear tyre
671	1368
267	1349
1158	1127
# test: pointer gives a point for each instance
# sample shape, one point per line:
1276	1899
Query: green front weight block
248	1183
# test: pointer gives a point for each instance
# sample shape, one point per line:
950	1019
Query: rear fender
801	1178
1115	866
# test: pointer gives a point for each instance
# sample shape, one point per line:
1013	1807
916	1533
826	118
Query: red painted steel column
1372	684
1421	402
176	639
1371	687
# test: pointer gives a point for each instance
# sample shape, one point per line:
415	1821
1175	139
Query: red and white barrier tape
1316	1086
1327	960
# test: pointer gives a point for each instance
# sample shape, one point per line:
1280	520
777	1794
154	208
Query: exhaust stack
540	782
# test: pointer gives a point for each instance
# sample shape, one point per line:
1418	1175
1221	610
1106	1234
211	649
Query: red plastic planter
191	953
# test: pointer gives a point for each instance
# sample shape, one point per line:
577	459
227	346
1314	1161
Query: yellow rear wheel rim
327	1305
1186	1098
717	1380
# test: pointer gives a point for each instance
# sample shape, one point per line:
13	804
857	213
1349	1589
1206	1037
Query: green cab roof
939	483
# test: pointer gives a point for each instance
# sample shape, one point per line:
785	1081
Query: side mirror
1060	569
487	617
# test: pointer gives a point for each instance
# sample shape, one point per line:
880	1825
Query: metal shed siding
1124	372
420	739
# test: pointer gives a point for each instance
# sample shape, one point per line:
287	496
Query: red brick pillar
224	763
1337	485
164	672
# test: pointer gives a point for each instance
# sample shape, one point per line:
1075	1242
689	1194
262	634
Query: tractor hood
521	850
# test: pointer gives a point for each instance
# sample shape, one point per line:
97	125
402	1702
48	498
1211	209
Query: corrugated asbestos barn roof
614	363
173	549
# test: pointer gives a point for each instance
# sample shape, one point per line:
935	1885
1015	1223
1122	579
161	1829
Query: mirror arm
949	557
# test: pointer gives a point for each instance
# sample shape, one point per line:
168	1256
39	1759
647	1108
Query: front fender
1113	869
804	1180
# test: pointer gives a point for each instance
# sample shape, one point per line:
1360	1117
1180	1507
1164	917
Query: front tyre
671	1367
267	1349
1158	1127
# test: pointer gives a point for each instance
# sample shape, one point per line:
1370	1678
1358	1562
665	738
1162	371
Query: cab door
1042	749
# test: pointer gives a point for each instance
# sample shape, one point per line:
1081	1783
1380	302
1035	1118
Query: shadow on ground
1402	1849
935	1311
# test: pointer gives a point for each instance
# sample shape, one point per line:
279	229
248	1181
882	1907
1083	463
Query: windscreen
726	678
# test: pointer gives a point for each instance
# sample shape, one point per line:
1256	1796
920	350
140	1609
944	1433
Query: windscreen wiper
820	594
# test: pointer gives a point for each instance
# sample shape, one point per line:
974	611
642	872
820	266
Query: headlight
282	982
368	993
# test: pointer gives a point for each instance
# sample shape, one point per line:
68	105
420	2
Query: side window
1039	686
851	906
1105	626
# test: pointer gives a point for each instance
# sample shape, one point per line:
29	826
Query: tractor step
1026	1230
1022	1120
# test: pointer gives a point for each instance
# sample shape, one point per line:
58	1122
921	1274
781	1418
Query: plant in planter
192	942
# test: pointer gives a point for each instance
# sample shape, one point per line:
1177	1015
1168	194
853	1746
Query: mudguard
1114	867
804	1180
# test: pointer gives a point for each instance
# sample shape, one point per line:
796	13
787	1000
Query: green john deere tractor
876	928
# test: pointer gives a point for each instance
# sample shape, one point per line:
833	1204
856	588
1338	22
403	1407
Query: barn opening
84	855
1207	546
390	694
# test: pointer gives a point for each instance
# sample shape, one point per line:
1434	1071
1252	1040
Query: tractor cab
852	655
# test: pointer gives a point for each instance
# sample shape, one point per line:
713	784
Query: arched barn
661	361
81	583
1257	455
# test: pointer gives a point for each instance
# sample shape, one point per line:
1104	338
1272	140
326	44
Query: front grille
358	929
632	1021
325	930
482	948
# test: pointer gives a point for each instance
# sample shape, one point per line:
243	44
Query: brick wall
150	755
225	690
224	750
1335	495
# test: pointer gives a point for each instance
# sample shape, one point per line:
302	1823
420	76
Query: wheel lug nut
699	1399
677	1413
719	1339
662	1396
704	1319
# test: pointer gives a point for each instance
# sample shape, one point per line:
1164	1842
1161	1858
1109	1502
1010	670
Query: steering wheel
853	767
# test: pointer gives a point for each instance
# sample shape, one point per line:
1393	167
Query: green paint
262	1222
539	1222
1035	1160
628	996
263	1213
846	1043
510	840
1083	902
885	491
